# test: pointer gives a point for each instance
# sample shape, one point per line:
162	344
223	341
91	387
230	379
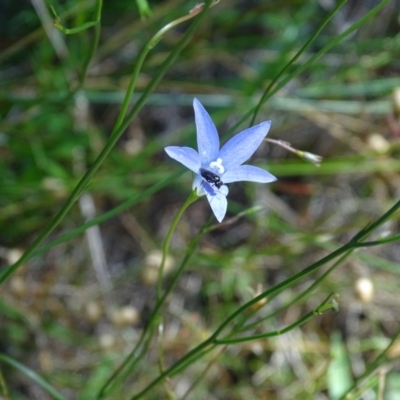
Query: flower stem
322	307
266	95
192	198
116	134
144	342
160	300
213	339
138	65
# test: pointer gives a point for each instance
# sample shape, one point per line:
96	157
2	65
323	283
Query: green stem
387	240
192	198
297	298
192	359
7	272
171	370
288	282
113	380
322	307
292	61
138	65
33	376
194	354
324	50
96	24
82	27
200	377
372	367
130	361
109	214
95	43
301	68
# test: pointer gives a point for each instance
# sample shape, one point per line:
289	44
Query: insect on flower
210	177
215	167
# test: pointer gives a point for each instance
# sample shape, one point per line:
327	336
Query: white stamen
218	164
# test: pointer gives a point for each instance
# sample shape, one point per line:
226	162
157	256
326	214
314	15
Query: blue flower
214	167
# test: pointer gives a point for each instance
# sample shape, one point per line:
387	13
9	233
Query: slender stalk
324	50
118	132
96	24
140	351
192	198
288	282
203	373
354	243
171	370
33	376
7	272
372	366
297	298
389	239
292	61
95	42
135	355
138	65
270	92
212	341
322	307
109	214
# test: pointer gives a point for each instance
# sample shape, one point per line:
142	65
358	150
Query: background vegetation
77	305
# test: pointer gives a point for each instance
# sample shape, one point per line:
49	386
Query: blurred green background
73	312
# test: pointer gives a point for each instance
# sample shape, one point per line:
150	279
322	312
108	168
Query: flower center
218	165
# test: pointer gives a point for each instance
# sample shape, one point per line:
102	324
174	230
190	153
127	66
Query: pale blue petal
198	186
247	173
186	156
242	146
203	187
218	204
215	197
224	190
209	190
207	135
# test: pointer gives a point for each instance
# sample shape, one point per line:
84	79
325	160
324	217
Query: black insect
211	178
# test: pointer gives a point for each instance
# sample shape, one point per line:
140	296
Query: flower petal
242	146
203	187
208	189
207	135
186	156
198	186
218	204
247	173
224	190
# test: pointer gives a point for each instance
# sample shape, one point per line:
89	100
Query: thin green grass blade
33	376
